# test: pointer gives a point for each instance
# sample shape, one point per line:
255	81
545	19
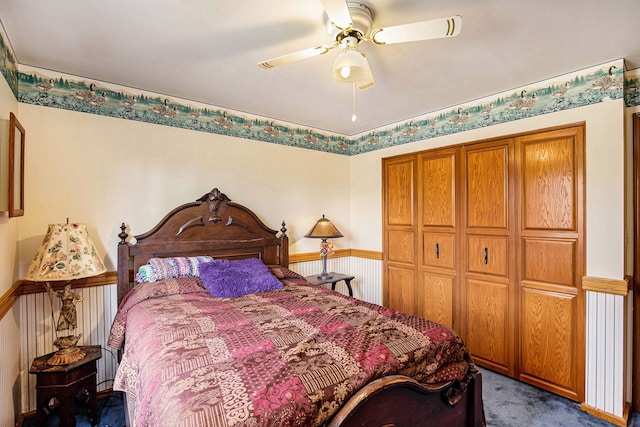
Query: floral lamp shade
66	253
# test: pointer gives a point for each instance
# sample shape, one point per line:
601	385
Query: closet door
438	213
488	291
552	310
400	233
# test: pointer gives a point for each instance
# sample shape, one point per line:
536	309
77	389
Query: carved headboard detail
212	225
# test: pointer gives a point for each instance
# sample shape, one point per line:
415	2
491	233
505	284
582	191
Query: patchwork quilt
287	357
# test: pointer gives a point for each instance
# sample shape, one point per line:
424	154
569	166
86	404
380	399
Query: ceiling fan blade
295	56
338	13
425	30
369	81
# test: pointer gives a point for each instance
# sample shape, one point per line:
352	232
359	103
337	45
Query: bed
294	354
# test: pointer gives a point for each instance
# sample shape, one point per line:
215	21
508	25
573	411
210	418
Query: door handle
486	256
437	250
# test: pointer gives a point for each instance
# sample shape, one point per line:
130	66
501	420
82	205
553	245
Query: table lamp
324	229
66	253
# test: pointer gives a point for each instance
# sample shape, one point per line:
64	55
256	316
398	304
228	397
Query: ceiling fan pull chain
353	105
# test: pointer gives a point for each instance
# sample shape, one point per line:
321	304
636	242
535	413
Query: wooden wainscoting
606	329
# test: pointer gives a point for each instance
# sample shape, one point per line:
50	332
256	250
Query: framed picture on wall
16	167
4	166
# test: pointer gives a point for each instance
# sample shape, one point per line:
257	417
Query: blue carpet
110	410
507	403
510	403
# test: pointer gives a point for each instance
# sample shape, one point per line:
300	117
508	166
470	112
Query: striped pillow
169	268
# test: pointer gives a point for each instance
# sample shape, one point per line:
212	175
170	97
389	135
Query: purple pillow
233	278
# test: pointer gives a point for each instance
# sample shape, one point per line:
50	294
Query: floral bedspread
288	357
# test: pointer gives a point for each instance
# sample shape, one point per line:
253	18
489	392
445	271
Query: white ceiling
208	50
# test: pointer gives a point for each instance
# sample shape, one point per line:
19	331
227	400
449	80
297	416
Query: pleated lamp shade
66	253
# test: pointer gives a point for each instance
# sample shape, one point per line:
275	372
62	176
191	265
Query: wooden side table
64	382
333	279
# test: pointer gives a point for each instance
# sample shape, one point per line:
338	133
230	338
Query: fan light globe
350	65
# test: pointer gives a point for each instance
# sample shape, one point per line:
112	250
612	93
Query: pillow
146	273
170	268
284	273
233	278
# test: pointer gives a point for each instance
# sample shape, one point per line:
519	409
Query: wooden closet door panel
401	289
438	293
400	236
552	307
401	246
548	332
549	261
439	250
488	254
488	291
438	217
487	187
488	323
399	192
549	183
438	191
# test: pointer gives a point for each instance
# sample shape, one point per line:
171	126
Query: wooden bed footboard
400	401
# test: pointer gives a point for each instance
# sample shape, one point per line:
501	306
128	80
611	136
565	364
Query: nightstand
335	278
64	382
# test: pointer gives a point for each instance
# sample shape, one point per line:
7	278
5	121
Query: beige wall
9	325
105	171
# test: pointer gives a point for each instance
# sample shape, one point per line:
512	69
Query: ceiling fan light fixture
349	23
350	65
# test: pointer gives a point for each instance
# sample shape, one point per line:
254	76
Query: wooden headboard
212	225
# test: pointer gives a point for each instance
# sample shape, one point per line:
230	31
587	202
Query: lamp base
66	356
69	351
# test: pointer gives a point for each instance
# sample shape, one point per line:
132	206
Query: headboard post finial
283	230
214	195
123	235
123	264
214	198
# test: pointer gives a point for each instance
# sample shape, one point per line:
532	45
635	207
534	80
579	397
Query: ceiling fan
350	23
